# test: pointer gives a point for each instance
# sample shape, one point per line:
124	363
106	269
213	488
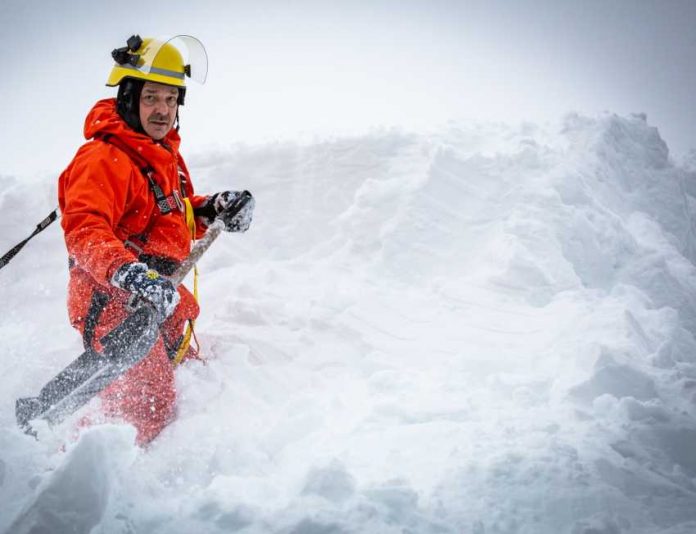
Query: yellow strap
191	224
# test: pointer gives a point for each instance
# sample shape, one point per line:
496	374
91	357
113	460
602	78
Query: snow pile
481	329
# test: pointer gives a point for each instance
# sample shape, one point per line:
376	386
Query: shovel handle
204	243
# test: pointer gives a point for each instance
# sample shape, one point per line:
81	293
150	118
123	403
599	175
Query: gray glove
234	208
147	284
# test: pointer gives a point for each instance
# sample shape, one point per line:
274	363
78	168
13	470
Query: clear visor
191	49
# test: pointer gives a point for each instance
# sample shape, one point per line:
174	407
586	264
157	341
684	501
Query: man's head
155	69
158	108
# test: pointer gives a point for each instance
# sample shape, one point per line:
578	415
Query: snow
481	328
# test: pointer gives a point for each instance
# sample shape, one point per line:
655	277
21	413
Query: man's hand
148	284
234	208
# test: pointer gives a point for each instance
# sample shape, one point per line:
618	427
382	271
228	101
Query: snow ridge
484	329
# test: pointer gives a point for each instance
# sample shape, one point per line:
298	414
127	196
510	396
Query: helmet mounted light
125	55
134	42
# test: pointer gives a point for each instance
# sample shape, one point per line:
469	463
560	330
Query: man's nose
161	107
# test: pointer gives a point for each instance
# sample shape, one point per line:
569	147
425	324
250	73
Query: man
124	200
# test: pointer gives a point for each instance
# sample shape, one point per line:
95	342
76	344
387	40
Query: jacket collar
103	119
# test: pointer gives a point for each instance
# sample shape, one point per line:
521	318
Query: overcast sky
278	68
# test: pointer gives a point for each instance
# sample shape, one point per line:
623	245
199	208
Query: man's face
158	109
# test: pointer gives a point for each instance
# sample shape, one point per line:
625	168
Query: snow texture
483	329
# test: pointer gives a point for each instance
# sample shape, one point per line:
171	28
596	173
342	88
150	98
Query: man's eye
171	100
149	99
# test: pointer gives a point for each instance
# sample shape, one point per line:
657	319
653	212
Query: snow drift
480	329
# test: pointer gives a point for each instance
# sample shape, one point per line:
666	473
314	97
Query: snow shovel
122	348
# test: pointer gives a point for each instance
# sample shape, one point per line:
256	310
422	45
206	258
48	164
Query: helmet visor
191	49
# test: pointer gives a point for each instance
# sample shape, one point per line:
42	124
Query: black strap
96	307
172	349
19	246
162	200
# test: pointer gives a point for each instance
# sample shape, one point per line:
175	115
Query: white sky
281	68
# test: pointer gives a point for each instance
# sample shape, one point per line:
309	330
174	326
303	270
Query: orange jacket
105	201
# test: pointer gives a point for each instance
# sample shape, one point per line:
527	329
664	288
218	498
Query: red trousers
145	396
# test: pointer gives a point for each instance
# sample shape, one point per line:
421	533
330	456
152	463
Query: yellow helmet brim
161	60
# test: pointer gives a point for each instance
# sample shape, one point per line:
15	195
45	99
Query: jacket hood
103	119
